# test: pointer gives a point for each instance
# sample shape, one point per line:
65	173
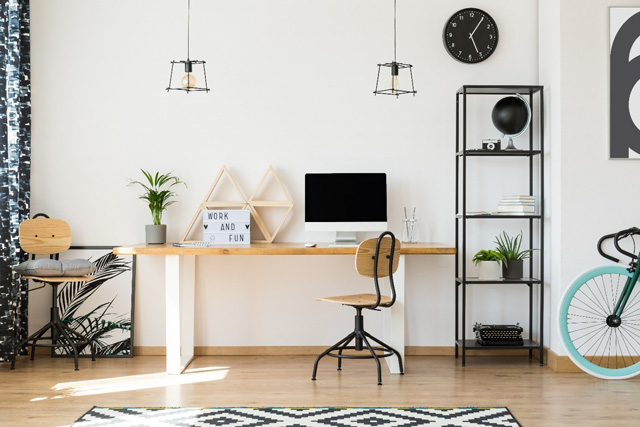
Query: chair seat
359	300
59	279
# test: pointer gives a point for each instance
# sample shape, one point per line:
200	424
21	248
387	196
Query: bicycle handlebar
616	238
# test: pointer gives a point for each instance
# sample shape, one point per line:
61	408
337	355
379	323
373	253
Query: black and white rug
298	417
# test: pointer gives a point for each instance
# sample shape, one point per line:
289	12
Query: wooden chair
48	236
376	258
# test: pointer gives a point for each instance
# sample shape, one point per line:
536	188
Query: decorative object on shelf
517	205
470	35
158	194
253	204
624	27
510	255
189	82
491	144
511	115
498	334
410	232
488	262
395	70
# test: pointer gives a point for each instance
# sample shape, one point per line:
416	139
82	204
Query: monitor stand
345	238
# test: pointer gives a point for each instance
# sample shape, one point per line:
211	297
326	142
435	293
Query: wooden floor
48	392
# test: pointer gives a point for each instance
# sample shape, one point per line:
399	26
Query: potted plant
510	255
158	194
488	262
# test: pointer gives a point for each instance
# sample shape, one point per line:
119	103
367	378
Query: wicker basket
498	334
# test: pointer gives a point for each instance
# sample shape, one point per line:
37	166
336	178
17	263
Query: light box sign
226	227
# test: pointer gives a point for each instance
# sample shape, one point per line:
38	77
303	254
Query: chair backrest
377	258
44	236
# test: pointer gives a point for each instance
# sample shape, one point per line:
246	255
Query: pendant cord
394	31
188	27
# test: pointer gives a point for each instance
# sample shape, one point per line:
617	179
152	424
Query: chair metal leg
81	339
35	337
388	347
340	352
363	335
66	335
329	350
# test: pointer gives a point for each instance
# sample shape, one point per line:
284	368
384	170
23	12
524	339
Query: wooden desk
180	289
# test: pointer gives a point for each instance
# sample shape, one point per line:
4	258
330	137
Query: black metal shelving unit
535	222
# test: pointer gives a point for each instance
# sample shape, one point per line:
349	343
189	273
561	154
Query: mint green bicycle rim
574	354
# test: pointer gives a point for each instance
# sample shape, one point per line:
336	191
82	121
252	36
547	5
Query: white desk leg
394	320
180	303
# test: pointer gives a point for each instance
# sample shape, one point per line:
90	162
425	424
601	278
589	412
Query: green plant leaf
157	192
509	248
486	255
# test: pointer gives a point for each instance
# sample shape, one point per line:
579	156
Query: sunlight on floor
137	382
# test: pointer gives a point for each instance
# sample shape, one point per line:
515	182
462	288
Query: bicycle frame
626	292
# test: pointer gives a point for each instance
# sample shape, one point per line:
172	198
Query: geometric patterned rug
298	417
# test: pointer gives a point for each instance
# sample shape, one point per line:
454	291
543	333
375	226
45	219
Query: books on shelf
511	205
517	205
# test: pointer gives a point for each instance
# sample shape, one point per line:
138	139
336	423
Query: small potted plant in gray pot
488	262
158	194
510	255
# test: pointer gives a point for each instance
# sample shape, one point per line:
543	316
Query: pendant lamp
194	70
395	68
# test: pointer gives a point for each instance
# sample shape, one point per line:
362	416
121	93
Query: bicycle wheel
597	345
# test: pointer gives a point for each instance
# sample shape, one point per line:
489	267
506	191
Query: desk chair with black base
376	258
48	236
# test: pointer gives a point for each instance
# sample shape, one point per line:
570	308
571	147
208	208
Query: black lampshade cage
189	65
395	68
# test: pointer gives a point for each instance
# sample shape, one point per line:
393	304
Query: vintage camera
491	144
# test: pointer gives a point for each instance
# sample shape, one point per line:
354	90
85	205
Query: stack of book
517	205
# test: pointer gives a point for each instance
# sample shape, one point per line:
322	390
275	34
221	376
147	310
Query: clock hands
473	32
474	44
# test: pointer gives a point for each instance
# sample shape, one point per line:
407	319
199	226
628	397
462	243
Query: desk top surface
274	249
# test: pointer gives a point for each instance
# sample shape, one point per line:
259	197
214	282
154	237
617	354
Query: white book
502	208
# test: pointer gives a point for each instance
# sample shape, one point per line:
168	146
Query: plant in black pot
158	194
510	255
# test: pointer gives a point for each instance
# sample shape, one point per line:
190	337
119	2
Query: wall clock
470	35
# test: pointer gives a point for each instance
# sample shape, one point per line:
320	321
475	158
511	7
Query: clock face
470	35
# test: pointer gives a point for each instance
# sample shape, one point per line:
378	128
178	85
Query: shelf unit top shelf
498	90
498	153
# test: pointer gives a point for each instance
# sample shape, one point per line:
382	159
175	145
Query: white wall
592	195
292	86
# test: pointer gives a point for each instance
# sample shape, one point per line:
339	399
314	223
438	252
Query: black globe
510	115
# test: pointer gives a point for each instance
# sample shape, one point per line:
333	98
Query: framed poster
102	308
624	113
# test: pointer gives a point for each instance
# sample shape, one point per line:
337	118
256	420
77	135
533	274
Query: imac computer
345	203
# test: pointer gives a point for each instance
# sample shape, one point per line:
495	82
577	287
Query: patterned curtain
15	155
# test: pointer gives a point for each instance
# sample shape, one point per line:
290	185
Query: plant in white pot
488	262
510	255
158	194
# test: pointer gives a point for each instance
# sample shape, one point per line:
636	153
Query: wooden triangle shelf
242	203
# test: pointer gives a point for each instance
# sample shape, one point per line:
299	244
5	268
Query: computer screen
345	203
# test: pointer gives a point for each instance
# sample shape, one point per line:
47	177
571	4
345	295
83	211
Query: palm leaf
74	294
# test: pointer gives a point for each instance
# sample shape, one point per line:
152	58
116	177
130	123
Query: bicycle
599	315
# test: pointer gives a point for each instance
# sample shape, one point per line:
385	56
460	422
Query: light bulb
395	85
189	80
